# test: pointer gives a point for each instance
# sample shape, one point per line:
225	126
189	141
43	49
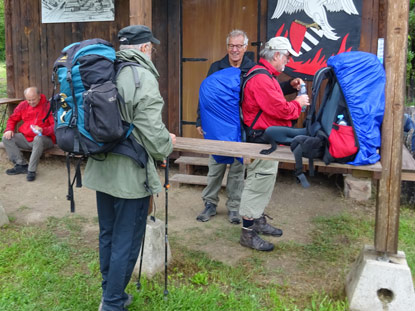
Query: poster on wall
66	11
317	29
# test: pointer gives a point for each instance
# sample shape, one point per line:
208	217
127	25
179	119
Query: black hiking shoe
210	210
262	227
234	218
126	303
31	176
17	169
249	238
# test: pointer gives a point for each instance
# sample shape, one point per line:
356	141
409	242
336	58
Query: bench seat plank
251	151
55	150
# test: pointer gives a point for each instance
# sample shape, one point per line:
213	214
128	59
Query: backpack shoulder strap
121	64
311	118
244	80
248	76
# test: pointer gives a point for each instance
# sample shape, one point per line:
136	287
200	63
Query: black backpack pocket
102	117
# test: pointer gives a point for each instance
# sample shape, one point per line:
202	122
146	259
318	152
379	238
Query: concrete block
375	284
357	188
154	249
4	220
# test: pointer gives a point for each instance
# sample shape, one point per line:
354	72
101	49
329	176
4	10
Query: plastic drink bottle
341	120
302	91
35	130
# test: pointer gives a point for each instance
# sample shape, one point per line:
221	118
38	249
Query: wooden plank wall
32	47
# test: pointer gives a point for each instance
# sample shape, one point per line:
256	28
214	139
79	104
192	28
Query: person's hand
296	83
199	130
8	135
173	138
303	100
38	128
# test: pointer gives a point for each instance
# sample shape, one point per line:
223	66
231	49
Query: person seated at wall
34	133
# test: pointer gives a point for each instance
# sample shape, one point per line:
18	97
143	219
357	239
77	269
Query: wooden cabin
192	35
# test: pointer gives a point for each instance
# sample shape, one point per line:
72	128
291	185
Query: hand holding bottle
36	129
302	92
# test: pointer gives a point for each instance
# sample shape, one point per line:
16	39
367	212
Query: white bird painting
317	11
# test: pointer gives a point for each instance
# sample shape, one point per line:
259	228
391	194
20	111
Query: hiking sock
247	223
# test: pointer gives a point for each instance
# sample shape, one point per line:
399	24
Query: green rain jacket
119	175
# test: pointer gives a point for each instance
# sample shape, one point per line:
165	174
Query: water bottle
35	130
341	120
302	91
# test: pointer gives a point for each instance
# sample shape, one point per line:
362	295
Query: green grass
3	79
53	267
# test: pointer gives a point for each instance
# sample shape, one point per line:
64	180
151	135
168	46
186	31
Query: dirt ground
292	209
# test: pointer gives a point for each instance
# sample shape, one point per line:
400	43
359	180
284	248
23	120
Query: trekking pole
138	285
166	187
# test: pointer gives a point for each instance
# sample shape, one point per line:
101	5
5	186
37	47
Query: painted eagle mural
317	29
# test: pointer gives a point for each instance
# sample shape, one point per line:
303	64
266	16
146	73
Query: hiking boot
249	238
262	227
234	218
17	169
126	303
210	210
31	176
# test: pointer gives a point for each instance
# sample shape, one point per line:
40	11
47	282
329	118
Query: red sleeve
15	117
268	94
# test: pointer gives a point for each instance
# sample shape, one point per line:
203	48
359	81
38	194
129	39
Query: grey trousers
234	183
259	185
38	145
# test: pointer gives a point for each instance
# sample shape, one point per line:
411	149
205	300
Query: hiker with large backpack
214	105
123	188
264	105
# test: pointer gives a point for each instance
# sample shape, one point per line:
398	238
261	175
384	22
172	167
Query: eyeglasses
152	48
288	55
237	46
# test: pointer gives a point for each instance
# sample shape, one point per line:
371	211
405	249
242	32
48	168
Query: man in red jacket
264	102
34	133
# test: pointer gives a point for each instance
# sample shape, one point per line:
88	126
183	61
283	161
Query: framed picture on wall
67	11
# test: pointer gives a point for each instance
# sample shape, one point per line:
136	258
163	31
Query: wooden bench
11	103
186	171
283	154
55	150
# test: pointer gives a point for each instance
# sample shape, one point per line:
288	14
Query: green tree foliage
2	34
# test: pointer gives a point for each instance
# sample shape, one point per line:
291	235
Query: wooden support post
388	196
11	91
140	12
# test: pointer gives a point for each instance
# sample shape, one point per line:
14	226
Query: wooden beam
389	186
250	151
8	14
140	12
174	67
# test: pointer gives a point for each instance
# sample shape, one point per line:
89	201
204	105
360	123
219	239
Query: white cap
280	43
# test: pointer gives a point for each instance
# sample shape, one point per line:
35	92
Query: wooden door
205	26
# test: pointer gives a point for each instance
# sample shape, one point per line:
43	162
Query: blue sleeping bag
362	79
219	108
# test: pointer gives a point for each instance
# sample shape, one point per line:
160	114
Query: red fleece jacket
32	115
263	93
